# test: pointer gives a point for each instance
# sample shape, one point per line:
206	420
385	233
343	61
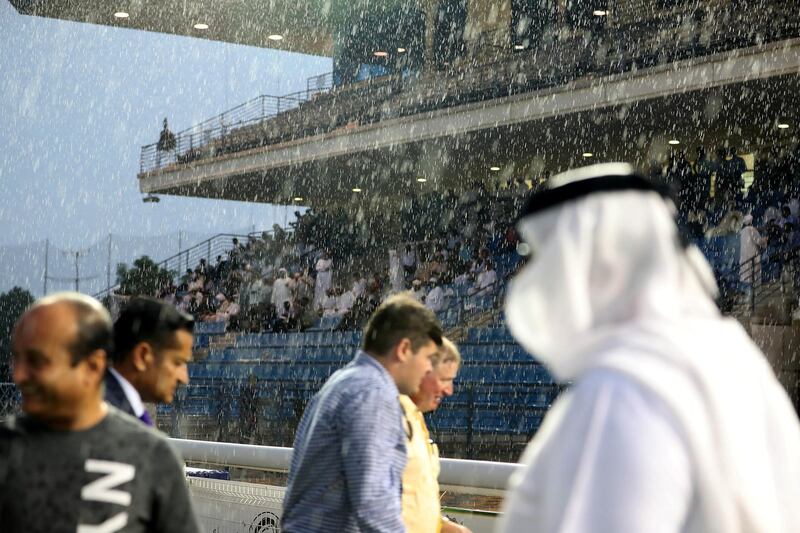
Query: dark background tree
145	278
12	304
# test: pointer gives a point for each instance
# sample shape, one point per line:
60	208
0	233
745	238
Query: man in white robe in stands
674	421
434	300
324	268
282	289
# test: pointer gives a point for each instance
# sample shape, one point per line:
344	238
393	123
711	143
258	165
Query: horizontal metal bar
476	475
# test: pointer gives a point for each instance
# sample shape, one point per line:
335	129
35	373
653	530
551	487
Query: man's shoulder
359	378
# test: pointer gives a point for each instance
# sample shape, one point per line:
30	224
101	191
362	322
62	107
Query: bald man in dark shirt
72	462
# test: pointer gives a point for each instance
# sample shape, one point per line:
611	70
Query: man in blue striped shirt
350	448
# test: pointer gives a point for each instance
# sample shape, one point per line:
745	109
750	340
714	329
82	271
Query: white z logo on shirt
103	490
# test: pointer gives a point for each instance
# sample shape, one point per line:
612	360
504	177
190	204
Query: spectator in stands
235	253
203	268
71	462
345	301
324	268
166	143
350	447
787	217
675	417
253	292
152	347
330	304
228	309
303	286
305	317
396	272
464	278
359	285
434	300
417	290
486	282
751	244
285	321
421	508
409	261
282	289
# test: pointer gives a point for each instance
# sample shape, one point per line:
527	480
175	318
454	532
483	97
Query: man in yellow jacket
421	509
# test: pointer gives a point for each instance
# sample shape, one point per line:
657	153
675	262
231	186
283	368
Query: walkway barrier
230	505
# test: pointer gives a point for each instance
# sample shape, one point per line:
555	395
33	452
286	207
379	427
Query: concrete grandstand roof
733	98
307	26
304	24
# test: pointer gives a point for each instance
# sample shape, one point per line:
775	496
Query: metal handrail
486	475
515	73
219	244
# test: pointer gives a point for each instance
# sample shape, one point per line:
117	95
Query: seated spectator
197	283
304	314
417	290
409	261
787	217
464	278
345	301
285	320
329	304
434	300
486	282
359	285
226	310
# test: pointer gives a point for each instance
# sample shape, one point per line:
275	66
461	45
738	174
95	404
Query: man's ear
402	350
96	365
142	356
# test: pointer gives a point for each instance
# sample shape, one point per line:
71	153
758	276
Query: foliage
145	278
12	304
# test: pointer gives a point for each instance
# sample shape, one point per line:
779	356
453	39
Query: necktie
146	419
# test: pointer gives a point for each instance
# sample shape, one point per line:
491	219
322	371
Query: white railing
457	475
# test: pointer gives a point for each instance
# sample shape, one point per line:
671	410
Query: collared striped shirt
349	455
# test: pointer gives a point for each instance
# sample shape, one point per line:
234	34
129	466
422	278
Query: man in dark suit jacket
152	347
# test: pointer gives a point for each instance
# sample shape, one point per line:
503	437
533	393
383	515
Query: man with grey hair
421	508
71	462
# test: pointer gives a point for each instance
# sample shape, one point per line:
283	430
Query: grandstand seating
500	389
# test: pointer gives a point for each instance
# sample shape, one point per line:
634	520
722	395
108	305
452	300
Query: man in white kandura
675	421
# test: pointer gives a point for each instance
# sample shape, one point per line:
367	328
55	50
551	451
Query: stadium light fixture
494	169
673	142
298	198
201	26
380	53
587	155
275	37
401	50
783	126
421	180
519	47
599	13
356	189
121	15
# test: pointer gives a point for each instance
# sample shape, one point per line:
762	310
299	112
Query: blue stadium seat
211	328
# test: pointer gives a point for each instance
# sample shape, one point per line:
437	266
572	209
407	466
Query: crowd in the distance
457	246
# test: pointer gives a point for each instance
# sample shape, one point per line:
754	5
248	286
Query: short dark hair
93	320
401	317
148	320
